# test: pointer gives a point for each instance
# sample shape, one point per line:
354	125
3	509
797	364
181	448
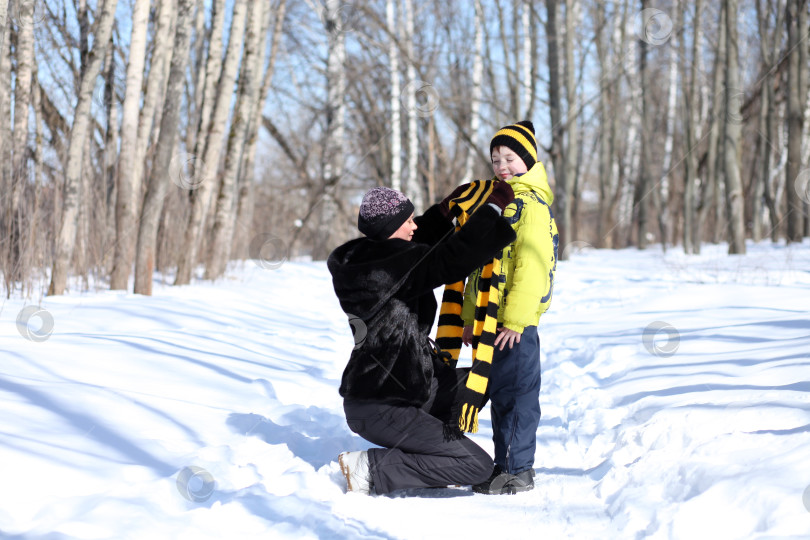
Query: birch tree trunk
605	140
766	172
526	81
558	150
645	172
803	52
492	81
213	70
777	176
534	58
718	198
733	117
396	92
128	194
664	219
705	101
431	152
412	186
244	213
66	237
5	143
714	156
214	141
149	119
795	118
333	157
759	174
632	157
110	153
476	90
757	186
22	94
84	31
608	40
769	50
155	89
249	78
198	68
509	52
571	123
158	182
22	101
3	24
37	227
691	125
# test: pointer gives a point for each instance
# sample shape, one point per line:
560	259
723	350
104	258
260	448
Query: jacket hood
534	180
363	270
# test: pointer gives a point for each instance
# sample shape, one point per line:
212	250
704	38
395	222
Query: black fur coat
394	363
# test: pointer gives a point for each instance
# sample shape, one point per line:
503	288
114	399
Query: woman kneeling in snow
391	383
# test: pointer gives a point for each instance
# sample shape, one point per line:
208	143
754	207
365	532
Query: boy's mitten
501	195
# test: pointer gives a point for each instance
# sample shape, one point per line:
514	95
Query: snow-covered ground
676	404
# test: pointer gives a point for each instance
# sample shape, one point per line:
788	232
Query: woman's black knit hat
520	139
382	212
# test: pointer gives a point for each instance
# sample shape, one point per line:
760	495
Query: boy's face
405	231
506	163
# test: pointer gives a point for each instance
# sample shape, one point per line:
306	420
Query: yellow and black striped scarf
448	335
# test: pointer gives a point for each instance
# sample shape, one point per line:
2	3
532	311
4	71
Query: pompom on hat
382	212
520	139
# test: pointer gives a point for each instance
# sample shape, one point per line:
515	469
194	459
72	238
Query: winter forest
174	174
176	135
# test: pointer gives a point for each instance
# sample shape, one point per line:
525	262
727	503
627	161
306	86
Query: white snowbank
676	404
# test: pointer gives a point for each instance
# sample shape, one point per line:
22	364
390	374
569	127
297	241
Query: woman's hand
444	206
505	336
467	335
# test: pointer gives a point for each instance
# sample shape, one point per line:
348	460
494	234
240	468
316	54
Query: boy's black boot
522	481
495	483
504	483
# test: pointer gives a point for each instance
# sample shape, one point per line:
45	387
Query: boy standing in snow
527	275
386	280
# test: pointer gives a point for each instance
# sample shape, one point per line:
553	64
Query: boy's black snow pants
415	453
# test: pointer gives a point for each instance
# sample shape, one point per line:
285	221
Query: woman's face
506	163
405	231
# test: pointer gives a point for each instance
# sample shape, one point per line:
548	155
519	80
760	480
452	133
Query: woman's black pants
415	453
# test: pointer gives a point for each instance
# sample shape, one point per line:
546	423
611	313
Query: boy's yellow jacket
529	263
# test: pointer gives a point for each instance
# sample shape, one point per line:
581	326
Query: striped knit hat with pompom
520	139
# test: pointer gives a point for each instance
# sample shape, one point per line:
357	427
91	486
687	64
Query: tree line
177	135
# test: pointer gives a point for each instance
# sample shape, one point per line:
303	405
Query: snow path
676	404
